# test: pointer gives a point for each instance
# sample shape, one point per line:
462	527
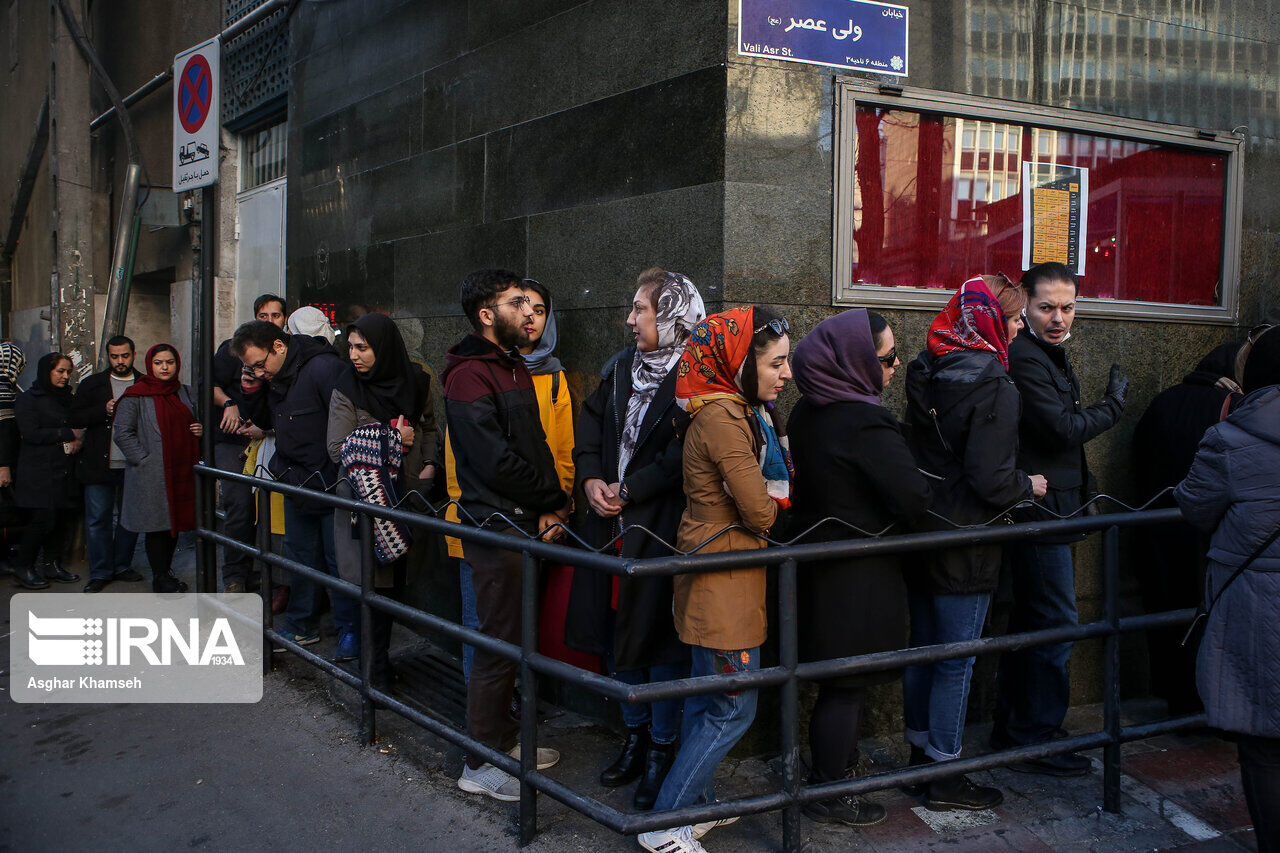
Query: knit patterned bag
371	456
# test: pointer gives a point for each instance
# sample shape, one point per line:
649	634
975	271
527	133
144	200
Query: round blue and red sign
195	93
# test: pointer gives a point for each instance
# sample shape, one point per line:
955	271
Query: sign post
197	121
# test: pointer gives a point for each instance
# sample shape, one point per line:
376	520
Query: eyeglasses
779	326
516	302
257	365
888	358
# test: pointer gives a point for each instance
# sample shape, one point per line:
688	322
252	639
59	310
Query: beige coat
722	479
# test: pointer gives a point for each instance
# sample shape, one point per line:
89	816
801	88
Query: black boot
958	792
166	582
657	761
54	571
28	577
918	758
630	763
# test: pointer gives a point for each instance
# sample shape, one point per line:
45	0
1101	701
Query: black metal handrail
786	674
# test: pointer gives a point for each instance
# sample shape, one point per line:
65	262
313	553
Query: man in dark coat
229	441
1171	557
100	467
505	467
1034	683
293	377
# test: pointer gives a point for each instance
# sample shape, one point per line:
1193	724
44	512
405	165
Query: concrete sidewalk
288	774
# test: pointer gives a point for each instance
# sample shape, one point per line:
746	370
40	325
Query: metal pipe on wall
121	279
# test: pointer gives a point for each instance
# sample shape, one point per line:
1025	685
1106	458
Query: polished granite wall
1204	64
583	141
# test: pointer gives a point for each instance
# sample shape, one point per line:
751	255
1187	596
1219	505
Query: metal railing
787	674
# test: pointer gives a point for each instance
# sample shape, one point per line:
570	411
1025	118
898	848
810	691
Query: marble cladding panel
660	137
429	267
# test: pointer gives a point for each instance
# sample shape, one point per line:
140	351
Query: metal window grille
262	156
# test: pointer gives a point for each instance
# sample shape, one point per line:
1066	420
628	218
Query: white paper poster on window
1055	214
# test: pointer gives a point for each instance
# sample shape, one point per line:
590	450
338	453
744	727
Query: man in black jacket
229	442
504	467
293	377
100	467
1034	684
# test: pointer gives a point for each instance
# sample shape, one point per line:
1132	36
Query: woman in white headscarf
629	463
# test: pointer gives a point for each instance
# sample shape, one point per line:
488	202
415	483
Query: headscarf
311	321
541	360
972	320
711	369
1262	367
180	448
679	309
836	362
12	361
45	385
394	386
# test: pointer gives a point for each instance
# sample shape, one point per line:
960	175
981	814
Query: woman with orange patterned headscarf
737	479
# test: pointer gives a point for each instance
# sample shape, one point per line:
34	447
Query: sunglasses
888	358
779	327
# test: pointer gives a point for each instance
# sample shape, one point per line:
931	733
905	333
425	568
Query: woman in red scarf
963	410
157	430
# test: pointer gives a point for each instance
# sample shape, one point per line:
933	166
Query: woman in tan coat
736	475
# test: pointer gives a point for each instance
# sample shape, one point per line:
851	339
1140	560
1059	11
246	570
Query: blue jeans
110	546
305	537
662	719
936	696
470	618
712	725
1035	686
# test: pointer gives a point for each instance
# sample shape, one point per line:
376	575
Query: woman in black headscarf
44	482
852	464
382	387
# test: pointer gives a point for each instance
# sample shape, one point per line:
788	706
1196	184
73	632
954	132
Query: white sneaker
547	757
700	829
490	781
678	840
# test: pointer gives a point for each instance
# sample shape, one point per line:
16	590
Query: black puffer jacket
962	415
295	404
1054	426
503	462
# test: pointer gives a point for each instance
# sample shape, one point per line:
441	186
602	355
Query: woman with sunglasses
855	476
962	410
737	478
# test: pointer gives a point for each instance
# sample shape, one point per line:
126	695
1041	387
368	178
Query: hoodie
503	462
295	403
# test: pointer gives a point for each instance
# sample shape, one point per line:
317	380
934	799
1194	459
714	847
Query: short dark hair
120	341
269	297
878	325
480	287
159	348
257	333
1052	271
538	288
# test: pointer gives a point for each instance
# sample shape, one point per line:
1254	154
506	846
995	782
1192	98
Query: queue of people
680	442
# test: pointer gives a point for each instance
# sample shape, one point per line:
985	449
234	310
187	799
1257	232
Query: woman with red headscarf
159	434
962	409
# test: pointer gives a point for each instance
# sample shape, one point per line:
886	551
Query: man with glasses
508	481
293	377
229	442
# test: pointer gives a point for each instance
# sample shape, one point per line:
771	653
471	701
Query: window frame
852	92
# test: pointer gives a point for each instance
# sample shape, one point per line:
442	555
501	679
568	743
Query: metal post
263	533
1111	670
207	561
528	698
121	263
368	726
788	659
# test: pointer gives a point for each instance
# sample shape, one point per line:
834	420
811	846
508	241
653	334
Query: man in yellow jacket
555	409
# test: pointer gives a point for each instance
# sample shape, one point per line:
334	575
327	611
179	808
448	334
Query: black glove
1117	387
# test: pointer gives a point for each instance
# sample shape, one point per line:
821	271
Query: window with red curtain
938	198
